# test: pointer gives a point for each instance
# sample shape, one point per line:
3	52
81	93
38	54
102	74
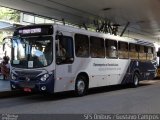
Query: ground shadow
70	94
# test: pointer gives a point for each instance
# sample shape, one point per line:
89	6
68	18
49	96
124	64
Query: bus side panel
133	66
66	74
122	69
145	69
64	78
102	72
105	72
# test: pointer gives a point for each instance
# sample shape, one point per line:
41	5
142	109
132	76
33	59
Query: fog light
13	86
43	88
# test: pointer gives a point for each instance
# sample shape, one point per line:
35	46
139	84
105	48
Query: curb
14	93
149	81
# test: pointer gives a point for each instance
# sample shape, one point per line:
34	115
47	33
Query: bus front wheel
80	86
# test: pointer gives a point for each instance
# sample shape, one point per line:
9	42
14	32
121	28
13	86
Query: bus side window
97	47
142	52
82	45
149	53
111	48
64	50
133	51
123	50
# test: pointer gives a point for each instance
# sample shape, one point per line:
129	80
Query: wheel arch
85	75
136	71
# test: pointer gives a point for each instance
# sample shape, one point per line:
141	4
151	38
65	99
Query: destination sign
33	30
30	31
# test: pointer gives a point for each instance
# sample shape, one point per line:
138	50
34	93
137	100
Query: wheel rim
80	86
136	80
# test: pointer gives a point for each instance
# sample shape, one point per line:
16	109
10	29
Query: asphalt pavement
5	90
111	100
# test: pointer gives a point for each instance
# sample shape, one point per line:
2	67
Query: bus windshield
32	52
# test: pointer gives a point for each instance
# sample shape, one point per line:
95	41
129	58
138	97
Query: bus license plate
27	85
27	90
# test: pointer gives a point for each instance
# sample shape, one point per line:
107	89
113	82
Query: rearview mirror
158	53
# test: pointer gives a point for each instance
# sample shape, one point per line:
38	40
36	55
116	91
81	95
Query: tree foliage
9	14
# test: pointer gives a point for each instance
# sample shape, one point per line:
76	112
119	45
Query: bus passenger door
64	59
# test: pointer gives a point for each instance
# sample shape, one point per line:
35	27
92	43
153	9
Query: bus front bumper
33	86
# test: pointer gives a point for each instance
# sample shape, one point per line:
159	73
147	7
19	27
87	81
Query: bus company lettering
108	64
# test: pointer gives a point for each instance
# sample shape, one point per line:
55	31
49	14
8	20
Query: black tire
135	80
81	86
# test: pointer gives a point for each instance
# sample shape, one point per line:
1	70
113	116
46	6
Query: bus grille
25	75
27	84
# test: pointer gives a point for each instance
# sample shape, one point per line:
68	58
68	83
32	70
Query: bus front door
64	60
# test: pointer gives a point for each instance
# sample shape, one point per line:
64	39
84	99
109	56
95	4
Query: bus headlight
13	76
44	77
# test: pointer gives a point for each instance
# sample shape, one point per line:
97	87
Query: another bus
89	59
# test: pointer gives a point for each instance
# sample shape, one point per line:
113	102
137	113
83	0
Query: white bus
55	58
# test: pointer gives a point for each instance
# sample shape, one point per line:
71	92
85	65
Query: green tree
9	14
